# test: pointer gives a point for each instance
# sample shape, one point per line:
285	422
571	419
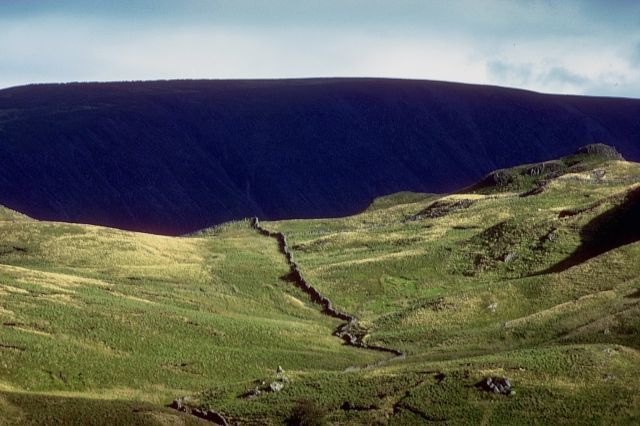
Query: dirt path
347	331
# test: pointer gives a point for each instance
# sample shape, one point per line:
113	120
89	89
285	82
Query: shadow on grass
614	228
39	409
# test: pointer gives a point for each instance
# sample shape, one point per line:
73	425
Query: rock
439	304
276	386
493	306
279	370
176	404
550	236
210	415
216	418
602	150
548	168
253	393
441	208
198	412
510	257
500	178
537	189
348	406
500	385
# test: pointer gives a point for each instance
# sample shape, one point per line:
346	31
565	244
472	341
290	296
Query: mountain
174	156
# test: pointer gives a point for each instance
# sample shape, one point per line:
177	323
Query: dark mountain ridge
175	156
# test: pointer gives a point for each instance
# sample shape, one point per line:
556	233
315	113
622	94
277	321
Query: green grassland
104	326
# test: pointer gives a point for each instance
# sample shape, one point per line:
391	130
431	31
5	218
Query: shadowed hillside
174	156
616	227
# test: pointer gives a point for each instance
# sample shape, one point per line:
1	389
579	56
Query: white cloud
63	48
634	60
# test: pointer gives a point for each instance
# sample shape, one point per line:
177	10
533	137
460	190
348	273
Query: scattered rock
279	370
500	385
609	377
510	257
276	386
493	306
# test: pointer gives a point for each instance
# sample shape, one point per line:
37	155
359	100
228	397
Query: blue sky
564	46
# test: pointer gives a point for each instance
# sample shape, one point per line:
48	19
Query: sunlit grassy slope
106	326
96	313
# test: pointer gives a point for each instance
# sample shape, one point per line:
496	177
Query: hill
105	326
171	157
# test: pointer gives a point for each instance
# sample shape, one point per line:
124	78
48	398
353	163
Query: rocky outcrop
441	208
500	385
347	331
263	386
601	150
182	404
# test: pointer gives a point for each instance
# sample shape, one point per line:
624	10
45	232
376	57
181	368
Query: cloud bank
582	47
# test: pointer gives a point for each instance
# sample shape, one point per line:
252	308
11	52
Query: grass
97	320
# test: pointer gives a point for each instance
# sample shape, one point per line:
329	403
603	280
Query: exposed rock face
183	405
548	167
210	415
602	150
441	208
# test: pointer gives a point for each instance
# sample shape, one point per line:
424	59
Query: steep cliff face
175	156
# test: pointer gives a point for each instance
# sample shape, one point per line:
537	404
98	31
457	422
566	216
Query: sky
564	46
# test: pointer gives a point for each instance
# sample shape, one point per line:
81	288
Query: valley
251	317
